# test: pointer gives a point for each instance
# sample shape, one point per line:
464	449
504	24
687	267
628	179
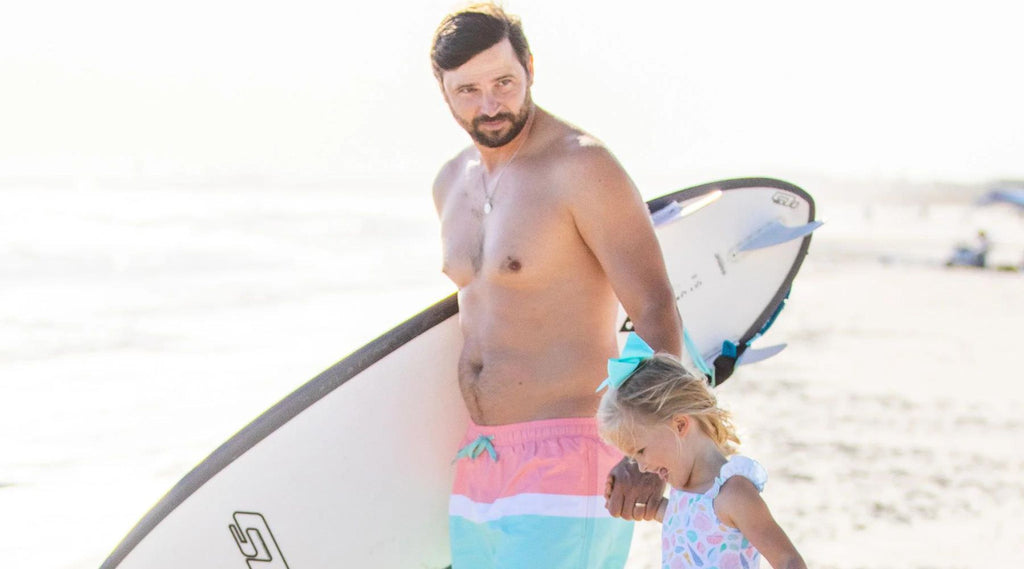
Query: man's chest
525	235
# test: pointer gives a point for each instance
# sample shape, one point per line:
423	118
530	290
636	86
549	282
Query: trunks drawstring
476	447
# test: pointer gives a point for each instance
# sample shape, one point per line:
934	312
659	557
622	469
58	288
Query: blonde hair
658	390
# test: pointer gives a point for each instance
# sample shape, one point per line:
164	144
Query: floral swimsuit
693	536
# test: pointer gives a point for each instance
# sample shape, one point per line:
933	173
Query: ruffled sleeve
741	466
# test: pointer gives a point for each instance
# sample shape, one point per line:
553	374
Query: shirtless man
543	233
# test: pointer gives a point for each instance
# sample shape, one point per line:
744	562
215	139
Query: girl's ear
681	424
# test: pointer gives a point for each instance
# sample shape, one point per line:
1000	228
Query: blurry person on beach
668	420
967	256
543	233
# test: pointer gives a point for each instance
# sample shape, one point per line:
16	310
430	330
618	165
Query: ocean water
141	328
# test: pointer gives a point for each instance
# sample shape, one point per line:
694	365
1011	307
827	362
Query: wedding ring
640	504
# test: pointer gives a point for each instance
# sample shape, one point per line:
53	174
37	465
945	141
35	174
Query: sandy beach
888	426
139	331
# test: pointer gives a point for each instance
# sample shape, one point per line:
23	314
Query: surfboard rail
282	412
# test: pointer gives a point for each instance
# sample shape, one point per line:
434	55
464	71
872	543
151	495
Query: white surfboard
354	468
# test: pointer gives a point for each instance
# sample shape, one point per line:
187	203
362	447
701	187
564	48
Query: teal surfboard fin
776	233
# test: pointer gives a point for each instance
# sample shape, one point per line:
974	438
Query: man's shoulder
572	146
450	172
456	164
579	162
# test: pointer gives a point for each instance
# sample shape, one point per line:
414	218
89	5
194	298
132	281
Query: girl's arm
740	505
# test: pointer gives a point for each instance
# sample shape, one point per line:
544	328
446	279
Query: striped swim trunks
532	495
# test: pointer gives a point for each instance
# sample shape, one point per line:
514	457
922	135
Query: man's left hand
632	495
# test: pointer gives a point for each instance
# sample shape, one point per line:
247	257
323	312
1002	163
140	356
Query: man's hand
632	495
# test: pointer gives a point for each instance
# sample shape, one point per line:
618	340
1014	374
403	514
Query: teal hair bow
635	351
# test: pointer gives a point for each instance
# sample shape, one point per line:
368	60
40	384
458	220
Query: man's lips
492	123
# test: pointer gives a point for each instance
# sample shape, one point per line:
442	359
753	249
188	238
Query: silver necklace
489	192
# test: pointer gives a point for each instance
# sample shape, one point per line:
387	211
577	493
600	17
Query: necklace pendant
487	207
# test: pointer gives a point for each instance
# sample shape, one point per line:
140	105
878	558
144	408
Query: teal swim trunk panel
519	542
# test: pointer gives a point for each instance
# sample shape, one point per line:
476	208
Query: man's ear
529	72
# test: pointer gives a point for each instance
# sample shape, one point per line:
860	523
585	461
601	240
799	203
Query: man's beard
496	139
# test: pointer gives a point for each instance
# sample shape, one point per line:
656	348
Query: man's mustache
506	116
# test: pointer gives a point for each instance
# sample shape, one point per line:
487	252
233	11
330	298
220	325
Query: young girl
668	421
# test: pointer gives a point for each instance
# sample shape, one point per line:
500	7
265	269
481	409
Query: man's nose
491	104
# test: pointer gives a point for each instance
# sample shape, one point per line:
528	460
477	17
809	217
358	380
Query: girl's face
662	449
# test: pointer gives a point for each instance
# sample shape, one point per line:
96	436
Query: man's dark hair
464	34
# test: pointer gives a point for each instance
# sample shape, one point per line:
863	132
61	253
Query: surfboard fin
666	214
753	355
734	355
674	210
776	233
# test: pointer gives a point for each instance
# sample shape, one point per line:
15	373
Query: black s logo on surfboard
785	199
257	544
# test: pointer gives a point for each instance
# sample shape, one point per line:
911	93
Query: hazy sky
309	90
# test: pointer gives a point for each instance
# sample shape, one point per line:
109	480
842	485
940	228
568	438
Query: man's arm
614	222
442	184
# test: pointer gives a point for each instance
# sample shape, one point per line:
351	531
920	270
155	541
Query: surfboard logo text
785	199
256	542
681	291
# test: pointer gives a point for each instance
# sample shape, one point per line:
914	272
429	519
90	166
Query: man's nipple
512	264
